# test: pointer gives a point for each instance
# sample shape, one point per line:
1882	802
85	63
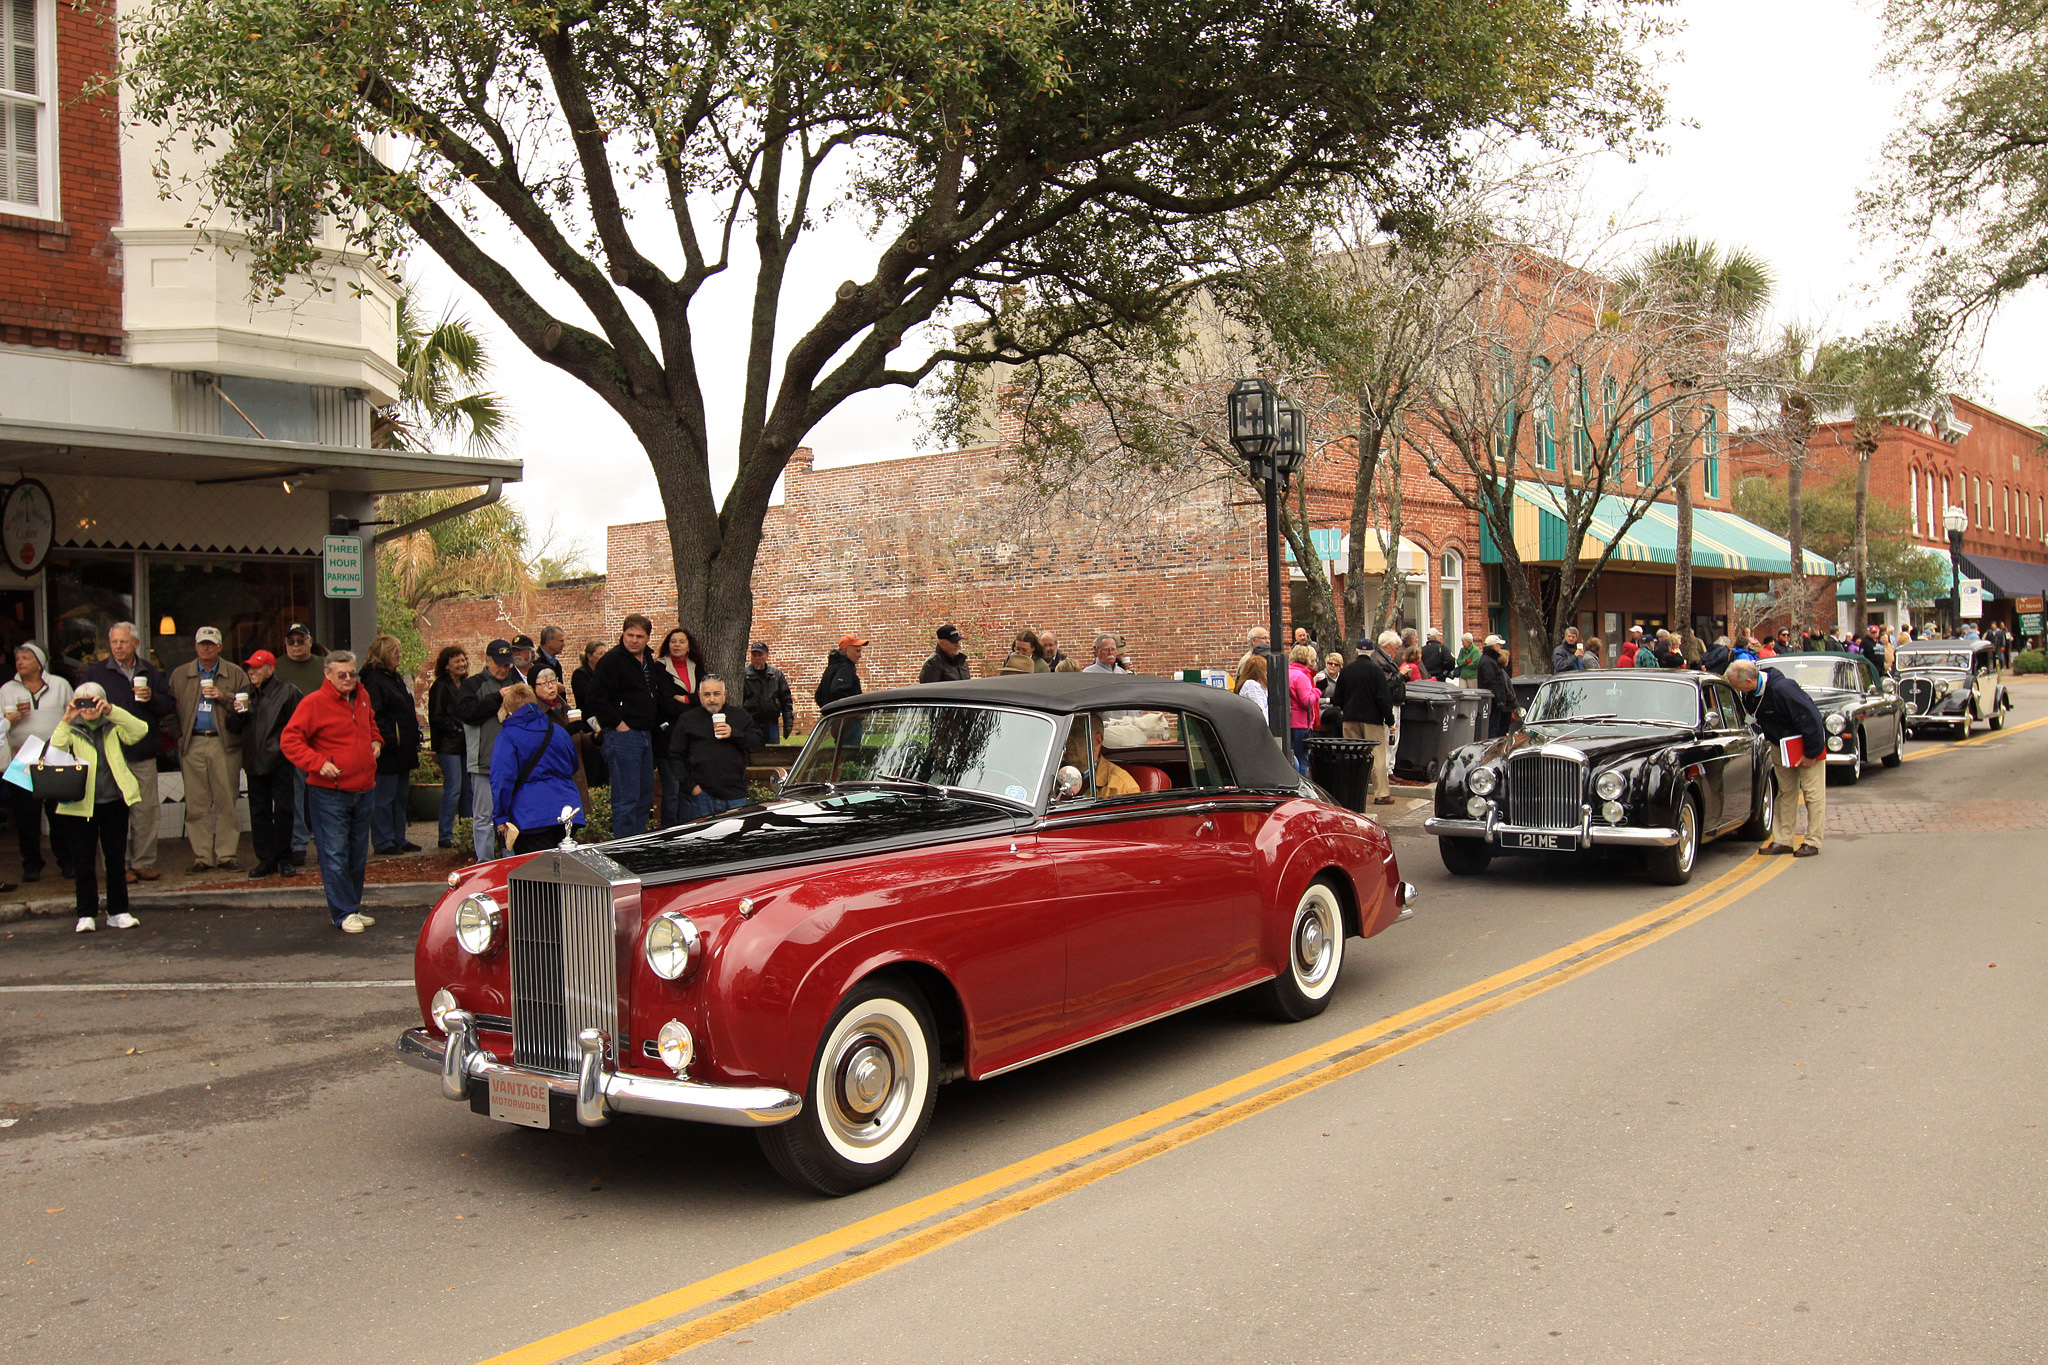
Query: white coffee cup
718	717
241	701
142	689
574	715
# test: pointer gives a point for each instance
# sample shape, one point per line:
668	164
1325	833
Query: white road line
99	986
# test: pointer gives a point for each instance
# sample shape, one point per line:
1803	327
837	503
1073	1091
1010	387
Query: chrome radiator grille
1545	792
1919	694
565	970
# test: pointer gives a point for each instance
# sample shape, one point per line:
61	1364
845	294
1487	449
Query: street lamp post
1266	429
1956	521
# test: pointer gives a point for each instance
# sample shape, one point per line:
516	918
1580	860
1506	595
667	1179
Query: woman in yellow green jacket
93	731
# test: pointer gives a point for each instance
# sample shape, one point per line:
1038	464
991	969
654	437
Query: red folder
1792	751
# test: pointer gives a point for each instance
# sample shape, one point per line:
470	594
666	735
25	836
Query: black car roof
1255	759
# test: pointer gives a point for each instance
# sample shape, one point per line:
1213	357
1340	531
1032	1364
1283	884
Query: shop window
28	125
1710	447
1913	495
252	601
1582	422
1646	443
272	409
1451	588
88	595
1504	392
1546	415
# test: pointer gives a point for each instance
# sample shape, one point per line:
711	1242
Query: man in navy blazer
1782	709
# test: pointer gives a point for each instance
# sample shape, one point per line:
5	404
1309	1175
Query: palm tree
1706	292
439	396
1805	376
1888	378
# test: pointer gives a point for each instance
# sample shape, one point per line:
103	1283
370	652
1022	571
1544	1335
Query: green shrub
2030	661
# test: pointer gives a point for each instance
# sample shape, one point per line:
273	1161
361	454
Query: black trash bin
1426	718
1525	685
1343	768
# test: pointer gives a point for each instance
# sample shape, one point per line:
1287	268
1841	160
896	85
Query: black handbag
52	782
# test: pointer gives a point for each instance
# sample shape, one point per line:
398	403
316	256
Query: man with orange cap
842	676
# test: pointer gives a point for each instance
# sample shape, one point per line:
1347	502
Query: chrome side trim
617	1093
1125	1028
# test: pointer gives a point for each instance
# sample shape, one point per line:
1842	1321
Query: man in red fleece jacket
333	739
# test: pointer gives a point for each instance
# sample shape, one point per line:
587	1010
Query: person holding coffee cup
209	753
709	748
135	685
34	701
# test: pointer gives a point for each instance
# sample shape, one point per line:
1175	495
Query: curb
377	895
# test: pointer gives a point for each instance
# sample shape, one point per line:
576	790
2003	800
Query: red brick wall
578	607
60	283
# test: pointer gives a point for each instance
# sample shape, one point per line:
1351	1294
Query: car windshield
1617	699
978	748
1812	674
1946	660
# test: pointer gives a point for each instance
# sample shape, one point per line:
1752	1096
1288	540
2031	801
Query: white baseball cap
206	635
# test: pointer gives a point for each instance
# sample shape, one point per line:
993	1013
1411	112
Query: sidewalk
393	879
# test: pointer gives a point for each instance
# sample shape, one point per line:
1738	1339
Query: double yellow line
909	1230
1922	751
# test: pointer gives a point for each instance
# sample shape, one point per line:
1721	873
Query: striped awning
1722	543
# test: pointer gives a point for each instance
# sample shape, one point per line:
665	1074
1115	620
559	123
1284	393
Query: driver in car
1110	780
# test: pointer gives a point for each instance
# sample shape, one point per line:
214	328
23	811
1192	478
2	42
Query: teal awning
1721	541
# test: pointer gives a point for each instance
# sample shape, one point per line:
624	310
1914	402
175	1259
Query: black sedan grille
1545	791
1919	694
565	970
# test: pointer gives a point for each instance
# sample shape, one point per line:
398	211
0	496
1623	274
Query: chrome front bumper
1600	836
598	1092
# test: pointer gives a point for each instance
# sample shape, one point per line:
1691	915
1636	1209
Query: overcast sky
1787	116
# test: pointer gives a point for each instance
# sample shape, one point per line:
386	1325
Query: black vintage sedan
1860	708
1611	759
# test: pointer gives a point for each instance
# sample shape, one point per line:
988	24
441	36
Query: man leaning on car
1783	709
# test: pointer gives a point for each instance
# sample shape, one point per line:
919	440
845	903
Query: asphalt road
1804	1122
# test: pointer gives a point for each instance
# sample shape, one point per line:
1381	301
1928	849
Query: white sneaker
354	924
124	920
367	920
86	925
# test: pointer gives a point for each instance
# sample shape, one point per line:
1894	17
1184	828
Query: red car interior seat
1148	779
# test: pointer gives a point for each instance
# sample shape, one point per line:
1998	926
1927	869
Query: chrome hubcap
869	1087
1317	937
1685	838
865	1080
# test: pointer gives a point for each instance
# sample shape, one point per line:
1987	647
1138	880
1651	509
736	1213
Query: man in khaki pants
1365	694
209	754
1782	710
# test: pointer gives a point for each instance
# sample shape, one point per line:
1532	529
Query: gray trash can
1470	711
1525	685
1426	719
1343	768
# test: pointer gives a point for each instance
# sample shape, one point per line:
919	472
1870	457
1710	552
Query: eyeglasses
343	674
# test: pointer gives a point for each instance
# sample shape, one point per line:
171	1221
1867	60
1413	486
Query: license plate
1562	843
519	1099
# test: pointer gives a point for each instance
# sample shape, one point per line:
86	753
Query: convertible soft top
1943	646
1255	758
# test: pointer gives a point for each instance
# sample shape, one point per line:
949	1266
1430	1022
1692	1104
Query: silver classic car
1951	684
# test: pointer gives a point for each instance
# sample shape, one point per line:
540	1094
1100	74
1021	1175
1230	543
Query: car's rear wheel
1464	857
1315	954
869	1100
1763	810
1673	866
1997	721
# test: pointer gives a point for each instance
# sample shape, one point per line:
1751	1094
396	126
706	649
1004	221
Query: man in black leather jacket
764	696
272	701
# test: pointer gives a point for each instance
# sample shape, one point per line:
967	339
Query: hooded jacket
271	707
550	784
840	680
330	728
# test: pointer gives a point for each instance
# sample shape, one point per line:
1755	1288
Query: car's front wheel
1464	857
1315	954
1852	773
1673	866
1763	810
870	1095
1898	753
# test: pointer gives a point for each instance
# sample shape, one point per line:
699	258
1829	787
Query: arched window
1582	422
1913	494
1947	501
1546	415
1451	591
1504	393
1710	447
1646	442
1976	502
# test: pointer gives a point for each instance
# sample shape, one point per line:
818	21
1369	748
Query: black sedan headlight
1481	781
1609	785
1836	722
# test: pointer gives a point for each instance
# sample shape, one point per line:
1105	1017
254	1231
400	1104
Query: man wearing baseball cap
135	685
260	722
209	754
476	706
1493	678
764	695
842	678
302	666
949	660
522	656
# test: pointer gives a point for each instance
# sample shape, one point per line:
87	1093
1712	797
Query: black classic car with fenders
1951	685
1860	709
1610	759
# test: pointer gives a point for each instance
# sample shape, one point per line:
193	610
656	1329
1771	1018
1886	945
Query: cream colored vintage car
1951	684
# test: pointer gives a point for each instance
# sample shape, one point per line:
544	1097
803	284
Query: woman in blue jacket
533	774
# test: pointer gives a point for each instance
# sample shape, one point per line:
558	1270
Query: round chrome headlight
1477	807
1480	783
1837	722
1834	744
672	945
1612	812
1607	786
477	922
675	1045
438	1008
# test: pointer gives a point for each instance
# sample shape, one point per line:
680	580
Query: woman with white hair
33	701
1468	661
93	731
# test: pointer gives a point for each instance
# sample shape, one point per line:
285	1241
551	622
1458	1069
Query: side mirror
1070	783
779	779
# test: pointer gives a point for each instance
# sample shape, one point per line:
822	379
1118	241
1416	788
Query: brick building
1965	455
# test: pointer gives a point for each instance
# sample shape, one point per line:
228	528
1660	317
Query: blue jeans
704	803
387	811
1300	737
483	833
454	792
302	816
675	807
630	756
341	826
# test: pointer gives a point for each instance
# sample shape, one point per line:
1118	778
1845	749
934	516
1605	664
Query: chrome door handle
1206	827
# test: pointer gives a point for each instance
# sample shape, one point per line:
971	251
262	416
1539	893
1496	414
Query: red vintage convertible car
943	890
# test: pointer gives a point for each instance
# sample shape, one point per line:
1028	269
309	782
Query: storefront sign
2030	622
341	566
28	520
2032	604
1972	590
